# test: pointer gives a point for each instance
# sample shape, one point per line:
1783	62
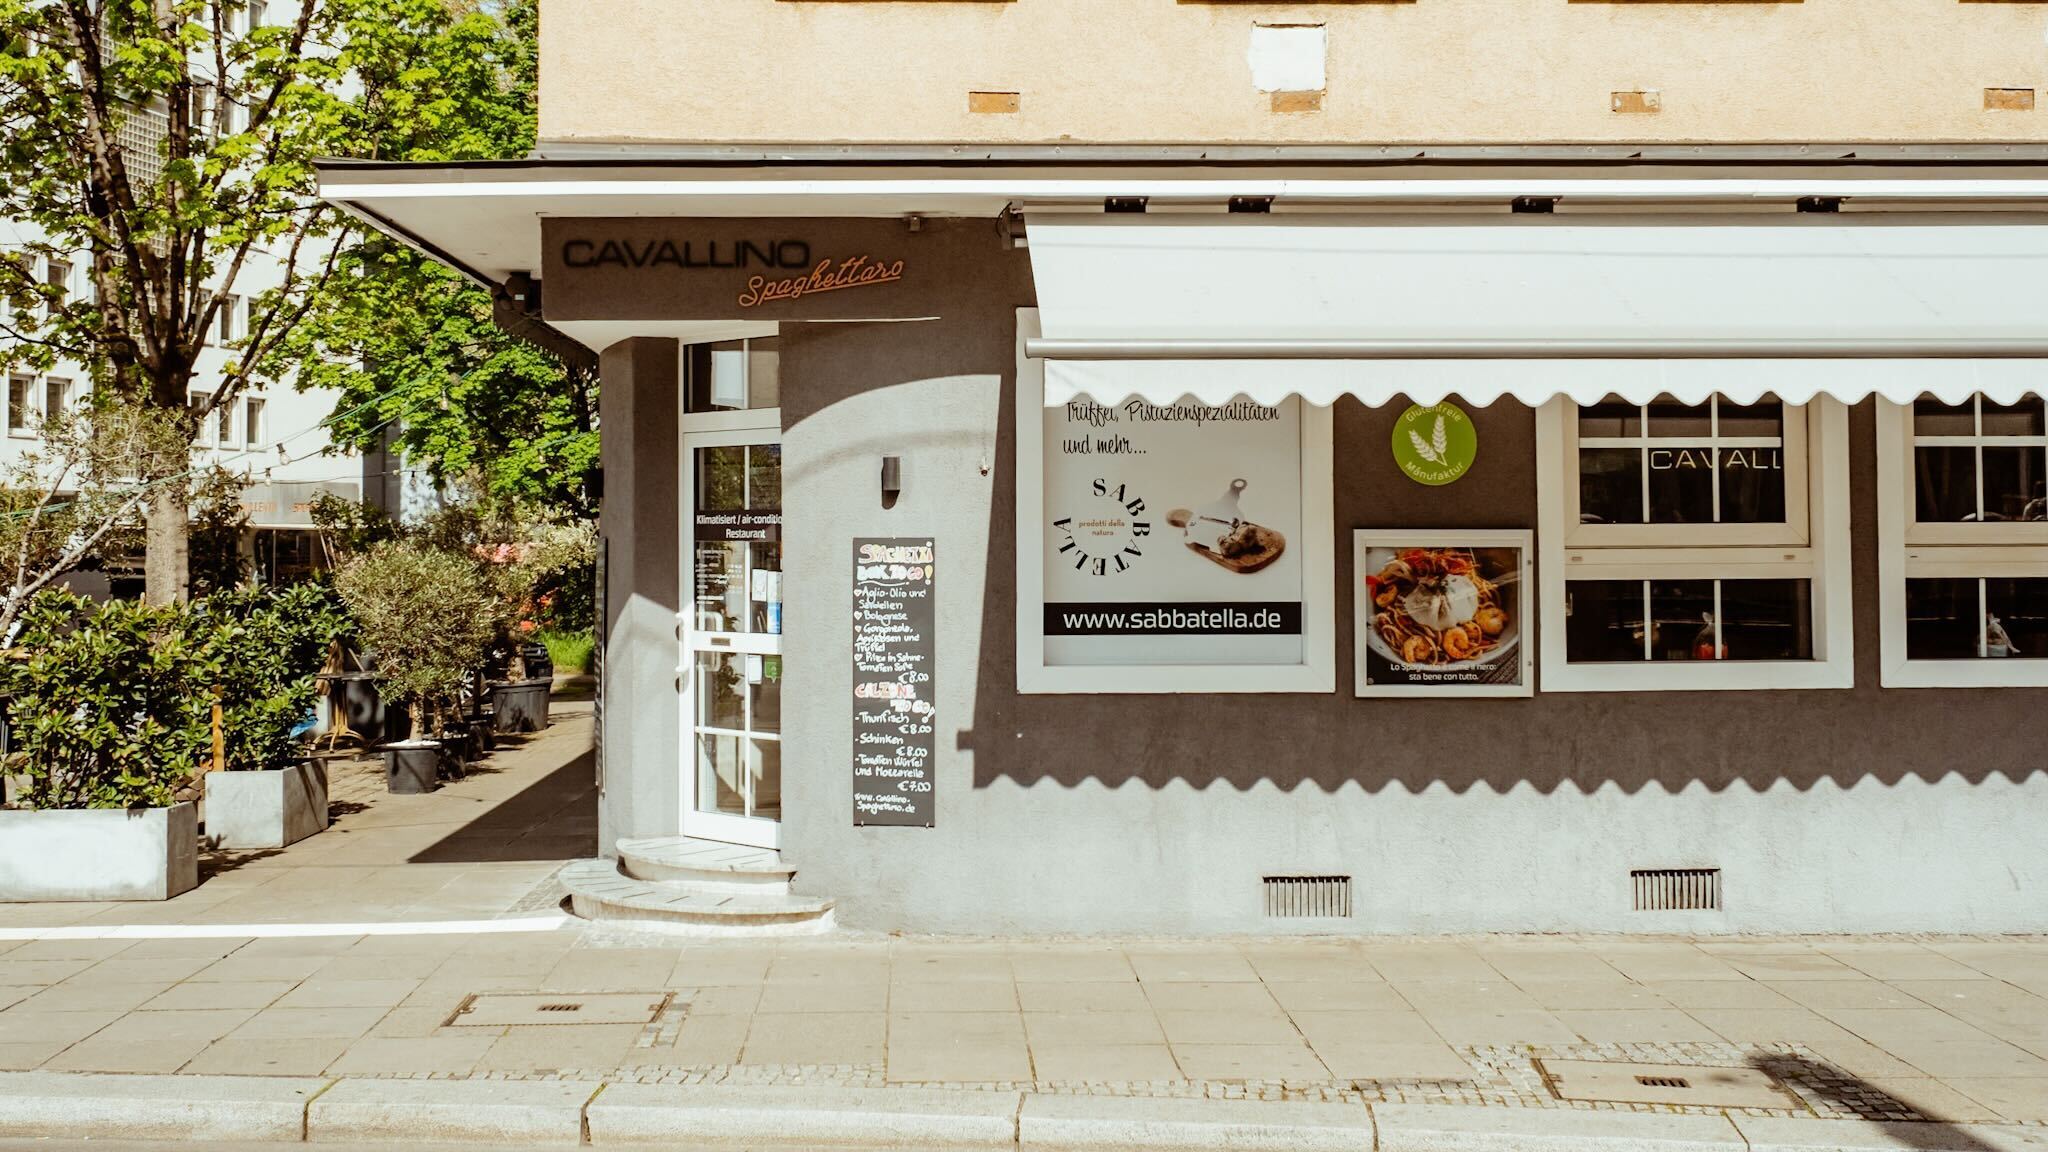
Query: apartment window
58	276
226	413
56	397
1686	545
228	325
259	14
252	422
197	402
20	393
1963	542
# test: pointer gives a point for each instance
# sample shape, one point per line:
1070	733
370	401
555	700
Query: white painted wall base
143	854
266	809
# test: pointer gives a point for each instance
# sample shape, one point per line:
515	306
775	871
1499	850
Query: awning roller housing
1533	307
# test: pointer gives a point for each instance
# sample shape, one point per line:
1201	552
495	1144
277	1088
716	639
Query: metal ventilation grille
1676	889
1308	896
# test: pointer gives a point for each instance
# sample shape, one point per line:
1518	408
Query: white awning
1536	306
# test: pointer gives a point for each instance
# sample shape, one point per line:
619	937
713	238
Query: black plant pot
412	768
521	706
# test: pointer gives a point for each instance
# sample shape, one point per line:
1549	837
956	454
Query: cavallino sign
716	269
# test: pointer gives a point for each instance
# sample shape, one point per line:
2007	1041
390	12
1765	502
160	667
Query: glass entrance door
731	633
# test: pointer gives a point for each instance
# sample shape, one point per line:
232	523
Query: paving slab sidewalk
1941	1034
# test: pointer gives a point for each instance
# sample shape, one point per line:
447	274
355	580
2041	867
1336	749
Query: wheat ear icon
1422	447
1440	439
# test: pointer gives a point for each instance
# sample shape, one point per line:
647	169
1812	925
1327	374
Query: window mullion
1643	466
1983	619
1649	625
1719	652
1714	450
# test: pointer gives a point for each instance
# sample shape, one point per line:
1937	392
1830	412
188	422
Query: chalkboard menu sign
893	698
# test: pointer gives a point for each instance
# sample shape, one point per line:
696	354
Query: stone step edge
640	860
210	1110
596	883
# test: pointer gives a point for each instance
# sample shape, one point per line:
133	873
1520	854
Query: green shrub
270	643
428	617
112	703
569	651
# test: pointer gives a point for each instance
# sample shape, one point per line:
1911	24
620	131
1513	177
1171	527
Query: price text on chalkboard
893	696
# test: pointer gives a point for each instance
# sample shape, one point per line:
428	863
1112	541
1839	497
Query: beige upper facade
1222	71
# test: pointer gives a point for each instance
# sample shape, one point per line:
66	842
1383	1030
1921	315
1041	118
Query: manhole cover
499	1009
1665	1084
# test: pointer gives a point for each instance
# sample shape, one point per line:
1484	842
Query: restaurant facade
1091	538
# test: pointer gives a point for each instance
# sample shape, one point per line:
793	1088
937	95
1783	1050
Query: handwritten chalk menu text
893	696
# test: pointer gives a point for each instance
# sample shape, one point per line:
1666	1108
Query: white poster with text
1173	533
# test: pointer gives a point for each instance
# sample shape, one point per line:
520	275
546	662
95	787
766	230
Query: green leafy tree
269	644
73	494
219	519
168	145
426	616
479	391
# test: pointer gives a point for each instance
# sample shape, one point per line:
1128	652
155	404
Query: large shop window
1963	542
1172	547
1693	546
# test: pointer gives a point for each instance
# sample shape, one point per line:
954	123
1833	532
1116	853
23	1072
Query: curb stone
1769	1134
1447	1128
1116	1122
217	1109
690	1116
426	1111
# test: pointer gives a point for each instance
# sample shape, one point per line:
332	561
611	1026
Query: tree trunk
165	579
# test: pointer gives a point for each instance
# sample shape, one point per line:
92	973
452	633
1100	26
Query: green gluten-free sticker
1435	445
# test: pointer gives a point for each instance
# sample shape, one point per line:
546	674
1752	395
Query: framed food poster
1444	613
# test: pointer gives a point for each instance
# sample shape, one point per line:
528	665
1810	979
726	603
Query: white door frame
713	430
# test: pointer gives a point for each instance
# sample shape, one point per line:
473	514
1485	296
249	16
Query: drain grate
504	1009
1676	889
1610	1083
1308	896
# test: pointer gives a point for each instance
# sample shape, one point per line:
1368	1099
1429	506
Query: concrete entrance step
706	864
598	890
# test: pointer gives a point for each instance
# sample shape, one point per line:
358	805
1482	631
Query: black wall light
892	480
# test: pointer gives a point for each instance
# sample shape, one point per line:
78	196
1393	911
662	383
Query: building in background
1195	468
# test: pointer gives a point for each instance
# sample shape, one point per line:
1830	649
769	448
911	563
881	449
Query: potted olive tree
270	645
426	615
111	709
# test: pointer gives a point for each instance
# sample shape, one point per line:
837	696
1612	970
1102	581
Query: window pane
1752	486
721	681
54	397
1681	484
1603	622
732	375
1610	418
2021	419
1753	420
1610	486
17	403
1669	418
227	425
1933	418
252	428
2020	610
1941	619
1944	484
1766	620
721	479
764	476
1684	615
2012	483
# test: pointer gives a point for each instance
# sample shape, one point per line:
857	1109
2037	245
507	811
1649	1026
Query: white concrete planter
266	809
99	854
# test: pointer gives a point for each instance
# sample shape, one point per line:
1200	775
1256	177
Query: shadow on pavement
554	818
1866	1100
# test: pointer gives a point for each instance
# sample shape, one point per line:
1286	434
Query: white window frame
63	387
1686	552
1909	549
26	430
1795	531
1317	673
253	411
228	320
202	434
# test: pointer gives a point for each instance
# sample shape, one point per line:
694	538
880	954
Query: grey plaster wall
1859	810
641	793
